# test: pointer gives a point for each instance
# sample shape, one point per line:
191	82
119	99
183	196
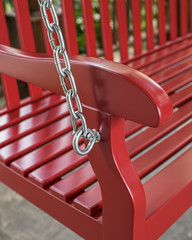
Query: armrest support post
124	203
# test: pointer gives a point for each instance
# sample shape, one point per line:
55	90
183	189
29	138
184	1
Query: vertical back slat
162	21
122	28
136	16
90	36
106	29
173	19
26	35
9	84
183	17
69	27
149	23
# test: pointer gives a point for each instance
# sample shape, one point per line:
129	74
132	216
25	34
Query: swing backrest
125	15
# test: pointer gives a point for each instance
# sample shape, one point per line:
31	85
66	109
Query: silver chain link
60	53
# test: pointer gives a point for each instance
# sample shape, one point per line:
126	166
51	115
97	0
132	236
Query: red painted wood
29	110
90	36
90	201
106	29
9	84
44	156
180	175
26	34
29	142
131	127
32	124
25	101
152	158
122	28
175	175
167	62
35	159
149	136
149	24
69	27
147	97
73	184
46	201
115	154
176	99
174	72
190	6
55	169
162	21
173	19
160	52
136	15
178	82
182	96
183	17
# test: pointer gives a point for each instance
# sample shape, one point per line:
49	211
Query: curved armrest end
110	87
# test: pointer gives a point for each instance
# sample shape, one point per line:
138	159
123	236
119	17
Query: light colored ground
20	220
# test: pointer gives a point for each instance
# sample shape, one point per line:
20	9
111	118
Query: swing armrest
105	85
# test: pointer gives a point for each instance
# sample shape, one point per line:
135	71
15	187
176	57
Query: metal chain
59	51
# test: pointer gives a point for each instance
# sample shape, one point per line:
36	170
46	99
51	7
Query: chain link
60	55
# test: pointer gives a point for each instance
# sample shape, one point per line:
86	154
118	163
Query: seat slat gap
28	110
145	162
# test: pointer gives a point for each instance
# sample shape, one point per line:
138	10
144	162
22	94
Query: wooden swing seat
37	159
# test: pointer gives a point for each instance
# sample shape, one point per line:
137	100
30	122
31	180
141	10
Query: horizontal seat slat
147	137
25	101
53	170
176	98
167	62
173	71
74	184
37	157
33	123
169	182
178	82
34	140
29	110
159	52
90	201
182	96
131	127
155	156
